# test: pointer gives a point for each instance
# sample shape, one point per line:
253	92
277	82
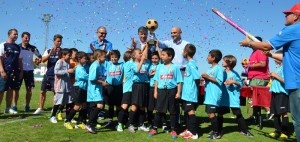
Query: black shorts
126	99
223	110
79	95
280	103
139	94
211	109
114	95
47	83
187	106
12	82
166	100
151	101
94	104
105	97
28	78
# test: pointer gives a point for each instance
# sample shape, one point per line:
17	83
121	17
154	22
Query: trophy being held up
152	25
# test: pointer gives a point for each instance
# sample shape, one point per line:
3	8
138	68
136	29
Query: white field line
18	120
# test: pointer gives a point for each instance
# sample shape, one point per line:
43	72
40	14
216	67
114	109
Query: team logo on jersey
167	76
117	73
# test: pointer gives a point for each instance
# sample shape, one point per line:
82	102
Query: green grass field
19	127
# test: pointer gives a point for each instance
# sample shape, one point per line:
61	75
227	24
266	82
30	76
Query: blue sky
77	21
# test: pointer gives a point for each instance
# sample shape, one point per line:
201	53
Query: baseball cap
294	9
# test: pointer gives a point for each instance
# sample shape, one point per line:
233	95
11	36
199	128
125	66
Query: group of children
143	85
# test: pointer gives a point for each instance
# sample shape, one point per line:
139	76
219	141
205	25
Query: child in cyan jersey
114	78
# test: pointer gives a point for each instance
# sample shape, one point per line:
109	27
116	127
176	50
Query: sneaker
173	135
27	108
131	129
184	132
81	126
274	134
73	121
53	119
110	121
165	129
214	136
152	133
68	125
14	108
59	117
101	115
90	129
120	127
11	111
38	111
189	135
247	133
143	128
283	137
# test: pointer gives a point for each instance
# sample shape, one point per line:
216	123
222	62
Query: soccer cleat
174	135
14	108
214	136
165	129
189	135
283	137
68	125
73	121
184	132
274	134
131	129
11	111
120	127
27	108
110	121
247	133
59	117
90	129
81	126
6	110
53	119
143	128
152	132
38	111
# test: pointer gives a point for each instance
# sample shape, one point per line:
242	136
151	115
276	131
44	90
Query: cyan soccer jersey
213	91
81	77
168	77
190	88
128	74
94	92
142	75
276	85
114	73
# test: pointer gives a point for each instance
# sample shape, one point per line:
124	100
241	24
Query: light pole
46	19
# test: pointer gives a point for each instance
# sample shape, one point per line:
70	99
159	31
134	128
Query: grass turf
20	127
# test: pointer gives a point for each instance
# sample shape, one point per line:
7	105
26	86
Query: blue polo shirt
231	93
168	76
213	91
10	53
276	85
128	74
289	39
97	45
94	91
190	88
54	57
81	77
114	73
142	75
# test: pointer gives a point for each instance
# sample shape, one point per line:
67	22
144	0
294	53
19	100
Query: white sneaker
143	128
53	119
11	111
38	111
73	121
